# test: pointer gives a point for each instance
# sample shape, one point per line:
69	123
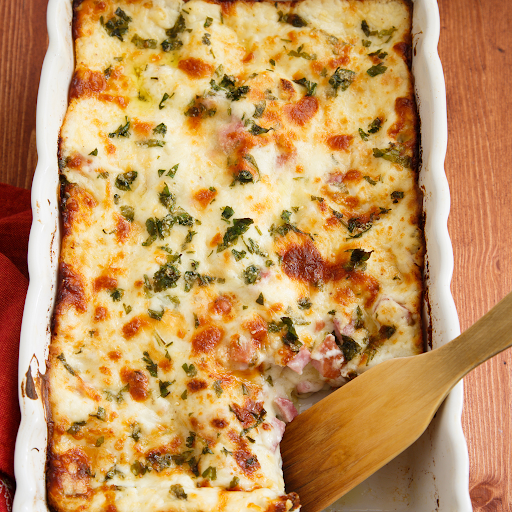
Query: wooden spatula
343	439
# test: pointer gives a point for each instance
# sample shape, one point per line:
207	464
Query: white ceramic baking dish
430	476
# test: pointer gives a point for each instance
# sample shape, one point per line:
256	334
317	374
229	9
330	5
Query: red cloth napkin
15	220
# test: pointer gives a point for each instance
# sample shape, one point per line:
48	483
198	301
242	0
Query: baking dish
431	475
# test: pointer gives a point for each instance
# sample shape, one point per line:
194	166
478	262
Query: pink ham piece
347	330
403	311
298	363
286	409
241	352
307	386
328	358
278	427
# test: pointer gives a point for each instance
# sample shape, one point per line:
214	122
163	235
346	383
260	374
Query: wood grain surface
476	52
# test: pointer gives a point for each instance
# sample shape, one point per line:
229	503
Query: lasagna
241	227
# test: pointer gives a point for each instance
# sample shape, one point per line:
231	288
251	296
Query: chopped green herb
184	395
342	79
206	39
238	254
234	482
376	70
100	441
359	322
151	366
245	390
101	414
217	387
299	53
61	358
210	473
239	227
375	125
190	370
260	300
332	312
117	26
94	152
254	248
135	435
366	43
228	84
259	108
143	44
151	143
290	338
379	53
103	175
349	347
251	274
397	195
358	259
394	154
117	294
208	22
258	130
128	212
165	97
160	129
292	19
310	86
75	427
156	315
366	29
304	303
363	134
127	309
163	387
317	198
369	180
227	212
166	277
124	181
138	469
122	130
179	493
173	43
270	380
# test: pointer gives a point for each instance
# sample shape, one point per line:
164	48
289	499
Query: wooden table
476	51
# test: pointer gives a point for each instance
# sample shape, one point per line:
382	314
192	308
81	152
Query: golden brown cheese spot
247	461
257	327
204	196
195	385
76	161
105	370
86	83
287	89
100	313
248	412
71	290
77	205
141	128
165	364
405	51
302	111
105	283
221	305
352	176
339	142
68	474
123	228
219	423
132	328
248	58
195	68
304	262
284	502
403	130
216	240
206	339
114	355
138	383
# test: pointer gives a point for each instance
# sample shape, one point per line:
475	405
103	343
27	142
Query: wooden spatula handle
483	340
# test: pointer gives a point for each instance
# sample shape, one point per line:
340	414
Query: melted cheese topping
240	220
